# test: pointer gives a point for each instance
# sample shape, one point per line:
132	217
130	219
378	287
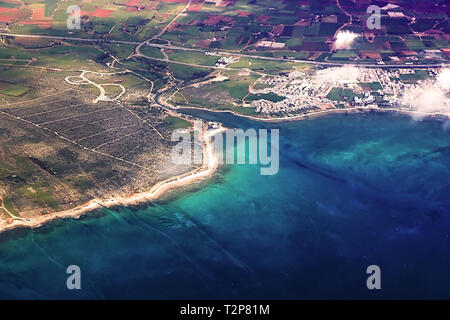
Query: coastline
209	166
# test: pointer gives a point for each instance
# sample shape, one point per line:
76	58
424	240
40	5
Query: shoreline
209	166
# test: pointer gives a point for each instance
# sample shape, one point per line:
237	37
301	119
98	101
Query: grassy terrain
266	96
152	52
247	111
177	123
271	67
9	206
335	94
193	58
187	73
41	195
12	89
6	4
413	77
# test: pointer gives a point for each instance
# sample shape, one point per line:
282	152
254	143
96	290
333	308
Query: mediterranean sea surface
352	191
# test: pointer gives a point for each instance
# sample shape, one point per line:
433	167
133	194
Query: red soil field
175	1
370	55
263	18
132	2
277	30
152	6
173	26
38	14
213	20
9	14
204	43
227	3
243	13
101	13
227	19
9	10
5	19
409	53
38	18
195	7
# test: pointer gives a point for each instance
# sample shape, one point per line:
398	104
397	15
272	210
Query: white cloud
344	40
430	96
443	79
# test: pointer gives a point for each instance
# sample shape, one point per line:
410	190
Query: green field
11	89
187	73
197	58
413	77
4	4
335	94
238	89
374	86
9	206
177	123
271	67
266	96
344	55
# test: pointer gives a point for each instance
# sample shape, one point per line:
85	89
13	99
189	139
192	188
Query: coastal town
347	87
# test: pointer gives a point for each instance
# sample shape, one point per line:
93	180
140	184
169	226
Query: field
266	96
8	4
193	58
270	67
417	75
12	89
177	123
335	94
242	26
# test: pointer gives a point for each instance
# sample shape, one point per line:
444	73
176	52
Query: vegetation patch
12	89
177	123
265	96
335	94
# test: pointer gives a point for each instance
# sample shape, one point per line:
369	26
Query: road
139	46
345	24
227	53
102	96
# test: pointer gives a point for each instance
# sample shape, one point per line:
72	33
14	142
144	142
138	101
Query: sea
352	191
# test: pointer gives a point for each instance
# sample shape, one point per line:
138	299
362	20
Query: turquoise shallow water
352	191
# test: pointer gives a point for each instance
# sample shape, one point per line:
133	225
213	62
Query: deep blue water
352	191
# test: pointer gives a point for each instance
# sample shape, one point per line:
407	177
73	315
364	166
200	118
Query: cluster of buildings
345	87
223	60
271	44
299	92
